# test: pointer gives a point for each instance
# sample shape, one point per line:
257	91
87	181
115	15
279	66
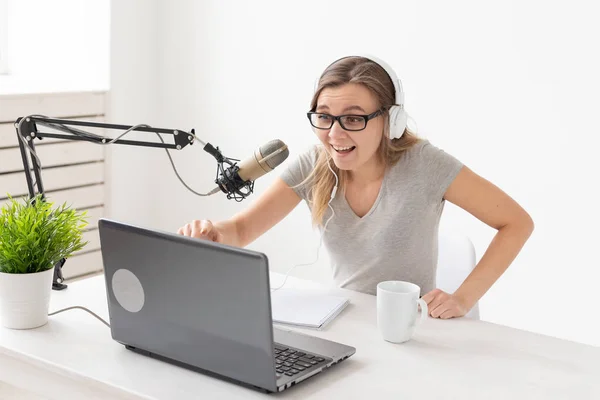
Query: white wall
133	100
508	88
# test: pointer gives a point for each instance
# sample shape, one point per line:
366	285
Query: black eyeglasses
348	122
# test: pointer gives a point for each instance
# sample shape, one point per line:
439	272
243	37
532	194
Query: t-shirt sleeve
298	170
438	169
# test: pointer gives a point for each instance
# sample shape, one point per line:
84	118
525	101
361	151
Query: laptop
204	306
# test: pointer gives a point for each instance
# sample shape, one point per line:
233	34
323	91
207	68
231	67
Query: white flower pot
24	299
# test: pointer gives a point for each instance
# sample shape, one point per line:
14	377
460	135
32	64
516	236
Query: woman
377	191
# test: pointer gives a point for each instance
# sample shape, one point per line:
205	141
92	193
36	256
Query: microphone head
263	160
271	147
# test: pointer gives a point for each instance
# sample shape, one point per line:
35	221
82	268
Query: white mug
397	310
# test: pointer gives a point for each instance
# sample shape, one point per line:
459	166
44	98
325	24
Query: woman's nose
336	130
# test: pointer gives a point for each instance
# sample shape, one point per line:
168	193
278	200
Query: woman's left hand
443	305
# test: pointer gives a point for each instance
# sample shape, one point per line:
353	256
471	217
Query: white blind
72	172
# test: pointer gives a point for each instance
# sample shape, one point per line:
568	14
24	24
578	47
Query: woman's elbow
521	224
526	223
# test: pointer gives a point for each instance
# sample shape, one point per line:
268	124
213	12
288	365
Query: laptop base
194	368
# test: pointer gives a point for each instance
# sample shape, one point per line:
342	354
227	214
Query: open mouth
343	150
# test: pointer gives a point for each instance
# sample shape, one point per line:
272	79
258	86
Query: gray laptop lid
193	301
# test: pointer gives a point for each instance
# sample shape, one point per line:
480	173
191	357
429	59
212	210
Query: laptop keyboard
291	362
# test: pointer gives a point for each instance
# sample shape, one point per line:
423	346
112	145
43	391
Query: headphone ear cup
398	118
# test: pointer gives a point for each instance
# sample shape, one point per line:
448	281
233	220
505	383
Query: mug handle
424	310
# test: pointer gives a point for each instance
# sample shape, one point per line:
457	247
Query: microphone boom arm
27	131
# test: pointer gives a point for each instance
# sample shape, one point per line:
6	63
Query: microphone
237	181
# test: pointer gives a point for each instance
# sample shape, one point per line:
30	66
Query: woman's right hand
201	229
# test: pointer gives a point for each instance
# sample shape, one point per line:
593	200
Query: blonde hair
370	74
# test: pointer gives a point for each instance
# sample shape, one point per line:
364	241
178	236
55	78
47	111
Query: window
70	39
3	36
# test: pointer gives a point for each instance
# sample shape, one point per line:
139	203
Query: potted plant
34	236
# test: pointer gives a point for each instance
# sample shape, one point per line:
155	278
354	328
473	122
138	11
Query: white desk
458	358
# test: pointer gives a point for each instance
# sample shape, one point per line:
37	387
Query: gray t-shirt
398	237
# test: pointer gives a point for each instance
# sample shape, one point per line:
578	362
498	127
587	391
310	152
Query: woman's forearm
503	249
229	229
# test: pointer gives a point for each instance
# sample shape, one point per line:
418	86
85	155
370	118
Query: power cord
333	192
81	308
103	141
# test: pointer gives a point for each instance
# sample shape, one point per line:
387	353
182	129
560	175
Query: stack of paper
305	308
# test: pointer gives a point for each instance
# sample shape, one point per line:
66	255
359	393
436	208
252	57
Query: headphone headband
398	90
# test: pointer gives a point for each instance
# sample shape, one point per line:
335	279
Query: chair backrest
456	260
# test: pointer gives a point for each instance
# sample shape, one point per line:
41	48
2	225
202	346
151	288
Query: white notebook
305	307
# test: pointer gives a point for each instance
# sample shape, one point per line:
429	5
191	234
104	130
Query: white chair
456	260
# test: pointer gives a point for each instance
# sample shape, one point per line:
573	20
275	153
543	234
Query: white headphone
398	116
